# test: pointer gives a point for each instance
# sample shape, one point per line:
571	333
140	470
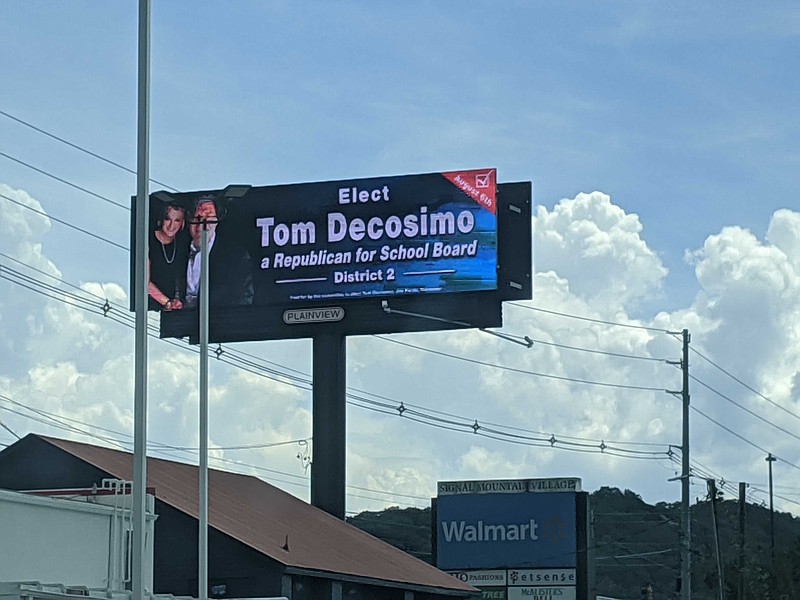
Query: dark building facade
261	541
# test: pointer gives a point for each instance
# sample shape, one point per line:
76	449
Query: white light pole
232	191
204	305
202	593
140	304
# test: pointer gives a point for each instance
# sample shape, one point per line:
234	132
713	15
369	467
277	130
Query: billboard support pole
329	423
140	305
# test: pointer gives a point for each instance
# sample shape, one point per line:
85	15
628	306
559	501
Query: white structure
54	591
39	591
78	538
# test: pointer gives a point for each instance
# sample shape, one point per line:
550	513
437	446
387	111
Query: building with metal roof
262	540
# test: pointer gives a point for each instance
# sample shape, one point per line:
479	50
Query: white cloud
598	248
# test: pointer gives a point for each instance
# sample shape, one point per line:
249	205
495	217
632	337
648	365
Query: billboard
506	530
335	252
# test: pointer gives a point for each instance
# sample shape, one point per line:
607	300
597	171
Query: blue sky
682	116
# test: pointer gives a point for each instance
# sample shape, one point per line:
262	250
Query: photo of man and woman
175	258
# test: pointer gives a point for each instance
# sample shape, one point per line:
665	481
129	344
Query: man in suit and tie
229	266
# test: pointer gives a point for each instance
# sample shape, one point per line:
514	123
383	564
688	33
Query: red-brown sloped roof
262	516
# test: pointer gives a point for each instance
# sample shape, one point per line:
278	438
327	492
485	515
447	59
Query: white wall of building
69	541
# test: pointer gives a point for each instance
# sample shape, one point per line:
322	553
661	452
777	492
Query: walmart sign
502	530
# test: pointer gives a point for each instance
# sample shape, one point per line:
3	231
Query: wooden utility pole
685	581
712	493
771	459
686	518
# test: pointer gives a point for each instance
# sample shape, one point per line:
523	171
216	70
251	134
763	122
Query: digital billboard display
375	237
280	256
506	530
385	236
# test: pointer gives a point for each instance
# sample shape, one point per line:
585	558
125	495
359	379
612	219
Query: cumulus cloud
751	294
598	248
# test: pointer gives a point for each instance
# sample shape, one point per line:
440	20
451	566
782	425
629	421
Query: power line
546	343
65	182
602	446
58	421
510	369
526	372
742	438
742	383
603	352
66	223
460	424
9	430
80	148
591	320
34	284
744	408
766	492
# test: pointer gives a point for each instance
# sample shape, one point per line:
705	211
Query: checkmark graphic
477	184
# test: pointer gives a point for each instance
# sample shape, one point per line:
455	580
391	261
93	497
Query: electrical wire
511	369
9	430
784	498
591	320
742	438
65	182
80	148
420	417
533	373
462	424
66	223
746	386
744	408
122	442
603	352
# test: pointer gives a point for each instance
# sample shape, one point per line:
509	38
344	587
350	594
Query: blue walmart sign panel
487	531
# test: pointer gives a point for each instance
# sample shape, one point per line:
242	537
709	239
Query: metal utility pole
712	493
686	517
742	506
771	459
202	538
140	305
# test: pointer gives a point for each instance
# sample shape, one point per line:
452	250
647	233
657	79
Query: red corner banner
479	184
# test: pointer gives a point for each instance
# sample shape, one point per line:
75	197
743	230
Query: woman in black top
168	254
